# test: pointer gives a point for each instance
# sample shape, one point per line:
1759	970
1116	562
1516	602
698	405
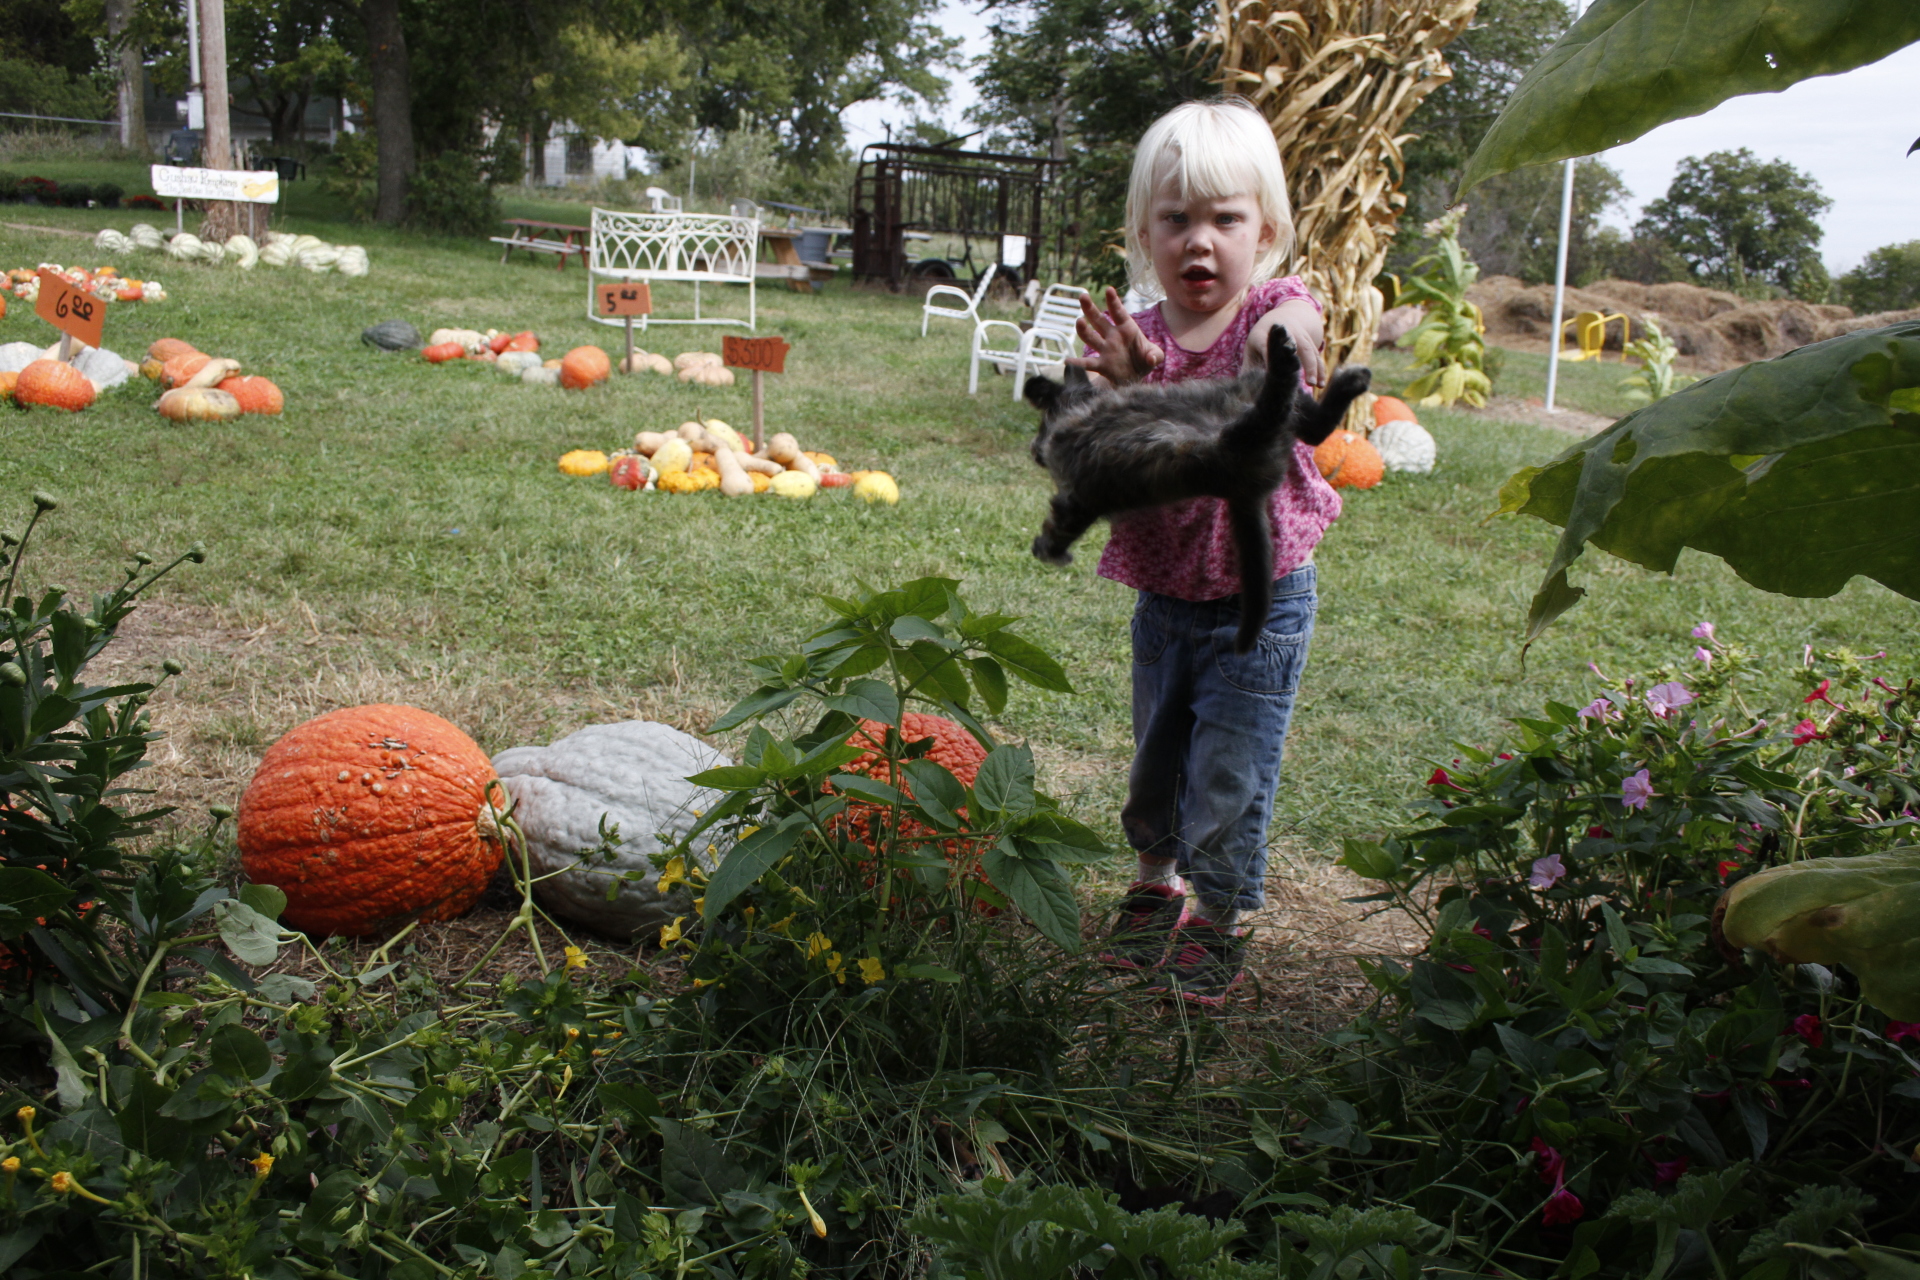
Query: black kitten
1146	445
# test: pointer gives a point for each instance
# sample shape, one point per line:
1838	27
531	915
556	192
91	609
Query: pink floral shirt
1185	549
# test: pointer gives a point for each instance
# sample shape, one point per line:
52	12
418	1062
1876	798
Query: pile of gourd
104	283
1349	460
701	368
203	388
709	455
282	249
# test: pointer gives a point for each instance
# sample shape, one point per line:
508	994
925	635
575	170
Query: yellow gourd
673	455
793	484
676	482
583	462
725	434
876	486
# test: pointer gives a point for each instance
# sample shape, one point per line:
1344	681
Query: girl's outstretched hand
1121	352
1302	321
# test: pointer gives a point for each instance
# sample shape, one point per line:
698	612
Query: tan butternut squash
733	477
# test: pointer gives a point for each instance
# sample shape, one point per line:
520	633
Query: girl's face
1203	250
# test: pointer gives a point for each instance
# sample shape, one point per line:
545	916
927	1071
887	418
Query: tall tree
130	79
216	148
1888	280
1736	218
390	76
285	53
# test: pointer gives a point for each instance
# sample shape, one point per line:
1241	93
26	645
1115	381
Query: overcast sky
1850	132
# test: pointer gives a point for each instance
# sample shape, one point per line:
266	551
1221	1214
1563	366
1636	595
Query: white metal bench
692	248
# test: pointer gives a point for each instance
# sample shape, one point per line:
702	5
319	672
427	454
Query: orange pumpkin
581	367
198	404
56	383
7	379
953	747
441	352
255	394
1387	409
523	341
369	817
178	369
167	348
131	291
1346	459
3	306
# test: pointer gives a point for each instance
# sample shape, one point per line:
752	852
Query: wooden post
759	411
628	366
66	348
216	144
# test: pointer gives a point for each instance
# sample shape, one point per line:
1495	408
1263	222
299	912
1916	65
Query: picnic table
785	243
560	238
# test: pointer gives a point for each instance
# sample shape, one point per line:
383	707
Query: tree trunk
392	108
131	74
216	147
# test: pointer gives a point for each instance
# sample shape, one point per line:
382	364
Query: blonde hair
1209	151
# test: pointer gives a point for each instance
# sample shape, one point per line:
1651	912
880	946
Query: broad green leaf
946	678
70	1082
1028	661
912	629
239	1053
869	700
1368	859
858	784
937	791
1809	442
267	899
747	861
1005	781
251	937
730	777
758	703
1040	890
31	894
1630	65
990	678
635	1099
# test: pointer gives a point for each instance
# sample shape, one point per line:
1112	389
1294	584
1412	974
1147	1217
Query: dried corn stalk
1337	80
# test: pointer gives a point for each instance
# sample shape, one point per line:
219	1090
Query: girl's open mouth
1197	275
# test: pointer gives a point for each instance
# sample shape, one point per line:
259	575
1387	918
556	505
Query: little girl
1208	225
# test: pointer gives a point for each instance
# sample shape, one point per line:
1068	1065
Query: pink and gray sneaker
1150	916
1207	964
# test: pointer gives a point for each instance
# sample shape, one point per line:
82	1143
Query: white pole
1560	267
1559	286
196	96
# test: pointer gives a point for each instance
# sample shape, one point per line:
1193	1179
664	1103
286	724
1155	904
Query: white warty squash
634	774
1404	446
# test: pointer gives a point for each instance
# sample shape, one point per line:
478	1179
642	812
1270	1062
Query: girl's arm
1302	320
1121	352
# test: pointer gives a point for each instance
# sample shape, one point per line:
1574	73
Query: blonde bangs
1208	151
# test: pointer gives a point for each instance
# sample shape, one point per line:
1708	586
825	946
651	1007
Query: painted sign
250	186
72	311
762	355
622	300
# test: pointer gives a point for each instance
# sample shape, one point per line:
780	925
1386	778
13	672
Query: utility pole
1560	268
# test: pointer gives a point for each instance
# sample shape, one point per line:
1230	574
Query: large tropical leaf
1800	473
1630	65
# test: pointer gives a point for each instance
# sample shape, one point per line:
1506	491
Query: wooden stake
628	367
66	349
759	412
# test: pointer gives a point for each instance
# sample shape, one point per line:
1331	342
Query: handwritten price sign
622	300
762	355
72	311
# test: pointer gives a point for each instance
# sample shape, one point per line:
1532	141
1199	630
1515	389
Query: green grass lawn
402	532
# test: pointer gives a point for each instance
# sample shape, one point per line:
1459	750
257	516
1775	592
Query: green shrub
76	195
1448	341
1887	280
450	194
9	188
107	194
1655	379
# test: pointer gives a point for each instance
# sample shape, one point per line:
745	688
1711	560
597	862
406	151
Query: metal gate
901	188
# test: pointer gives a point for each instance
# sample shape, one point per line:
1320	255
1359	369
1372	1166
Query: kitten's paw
1047	553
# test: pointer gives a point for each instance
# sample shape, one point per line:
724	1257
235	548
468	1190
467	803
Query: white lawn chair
1048	341
660	200
969	308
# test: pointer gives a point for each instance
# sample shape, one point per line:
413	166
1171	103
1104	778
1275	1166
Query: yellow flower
871	970
818	943
675	873
62	1182
576	958
781	926
10	1165
573	1033
262	1165
703	982
26	1115
670	933
833	967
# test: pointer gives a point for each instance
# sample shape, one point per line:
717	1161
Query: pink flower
1701	655
1898	1031
1441	778
1726	869
1551	1166
1704	632
1665	699
1819	694
1547	872
1562	1207
1807	1027
1637	789
1599	833
1599	709
1668	1170
1806	731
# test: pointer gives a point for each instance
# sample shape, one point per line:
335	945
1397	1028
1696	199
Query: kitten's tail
1253	541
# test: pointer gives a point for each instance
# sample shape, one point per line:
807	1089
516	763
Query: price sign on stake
625	299
74	312
762	355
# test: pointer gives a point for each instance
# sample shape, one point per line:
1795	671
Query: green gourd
392	335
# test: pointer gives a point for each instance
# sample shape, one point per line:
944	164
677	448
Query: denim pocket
1279	654
1152	625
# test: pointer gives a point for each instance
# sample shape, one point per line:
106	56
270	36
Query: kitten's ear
1077	377
1043	393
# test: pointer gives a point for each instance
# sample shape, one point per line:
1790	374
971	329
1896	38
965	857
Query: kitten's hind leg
1066	521
1253	543
1346	386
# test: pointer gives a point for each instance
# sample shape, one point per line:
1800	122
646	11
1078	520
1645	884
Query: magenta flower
1637	789
1806	731
1726	869
1441	778
1807	1027
1898	1031
1599	709
1669	1170
1701	655
1704	632
1665	699
1562	1207
1552	1166
1819	694
1547	872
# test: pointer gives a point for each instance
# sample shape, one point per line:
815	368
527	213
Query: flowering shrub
148	202
1571	1075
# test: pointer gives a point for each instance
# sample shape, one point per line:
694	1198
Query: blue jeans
1209	726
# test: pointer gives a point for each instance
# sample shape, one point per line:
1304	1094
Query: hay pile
1715	330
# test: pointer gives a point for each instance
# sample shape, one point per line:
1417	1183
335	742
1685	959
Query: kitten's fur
1146	445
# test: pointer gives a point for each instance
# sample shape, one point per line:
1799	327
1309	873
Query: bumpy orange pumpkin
583	366
441	352
1387	409
953	747
7	379
167	348
1347	460
53	382
369	817
255	394
179	368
